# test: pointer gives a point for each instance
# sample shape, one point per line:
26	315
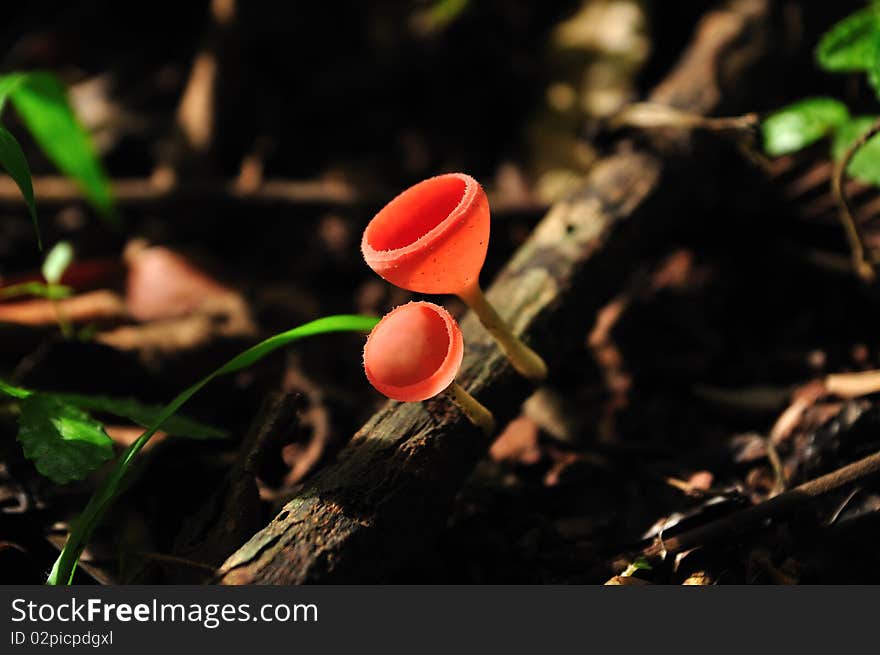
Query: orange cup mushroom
414	353
433	238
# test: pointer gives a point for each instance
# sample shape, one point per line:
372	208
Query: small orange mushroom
433	238
415	352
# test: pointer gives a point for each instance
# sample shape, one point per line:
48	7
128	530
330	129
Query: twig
136	191
853	385
863	261
648	115
852	494
772	508
779	483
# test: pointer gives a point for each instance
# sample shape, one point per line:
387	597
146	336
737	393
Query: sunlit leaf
63	441
14	163
12	390
57	261
874	74
865	164
852	44
42	103
8	83
800	124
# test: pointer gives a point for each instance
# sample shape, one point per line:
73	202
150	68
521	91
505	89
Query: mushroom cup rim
394	255
455	349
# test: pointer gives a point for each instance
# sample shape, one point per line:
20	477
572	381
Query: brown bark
364	517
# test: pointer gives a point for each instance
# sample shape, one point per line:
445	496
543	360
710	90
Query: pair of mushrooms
433	238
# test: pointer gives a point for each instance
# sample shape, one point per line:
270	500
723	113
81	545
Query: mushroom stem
522	358
476	412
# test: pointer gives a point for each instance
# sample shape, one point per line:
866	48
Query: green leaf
865	164
852	44
127	408
8	83
63	441
798	125
57	261
13	162
41	101
15	392
65	565
640	564
326	325
443	13
143	415
874	74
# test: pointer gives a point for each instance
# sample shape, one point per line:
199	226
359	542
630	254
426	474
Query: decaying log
363	518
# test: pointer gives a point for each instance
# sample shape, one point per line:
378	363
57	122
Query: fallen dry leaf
125	435
517	443
84	308
698	578
163	284
220	317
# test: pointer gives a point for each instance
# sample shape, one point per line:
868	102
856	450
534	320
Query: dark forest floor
672	414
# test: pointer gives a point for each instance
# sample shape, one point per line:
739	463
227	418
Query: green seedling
850	46
114	483
56	262
639	564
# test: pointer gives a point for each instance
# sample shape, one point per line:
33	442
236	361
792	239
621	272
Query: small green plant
111	487
850	46
56	262
41	102
639	564
66	443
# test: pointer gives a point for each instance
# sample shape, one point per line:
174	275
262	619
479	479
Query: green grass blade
13	161
9	83
143	415
82	528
